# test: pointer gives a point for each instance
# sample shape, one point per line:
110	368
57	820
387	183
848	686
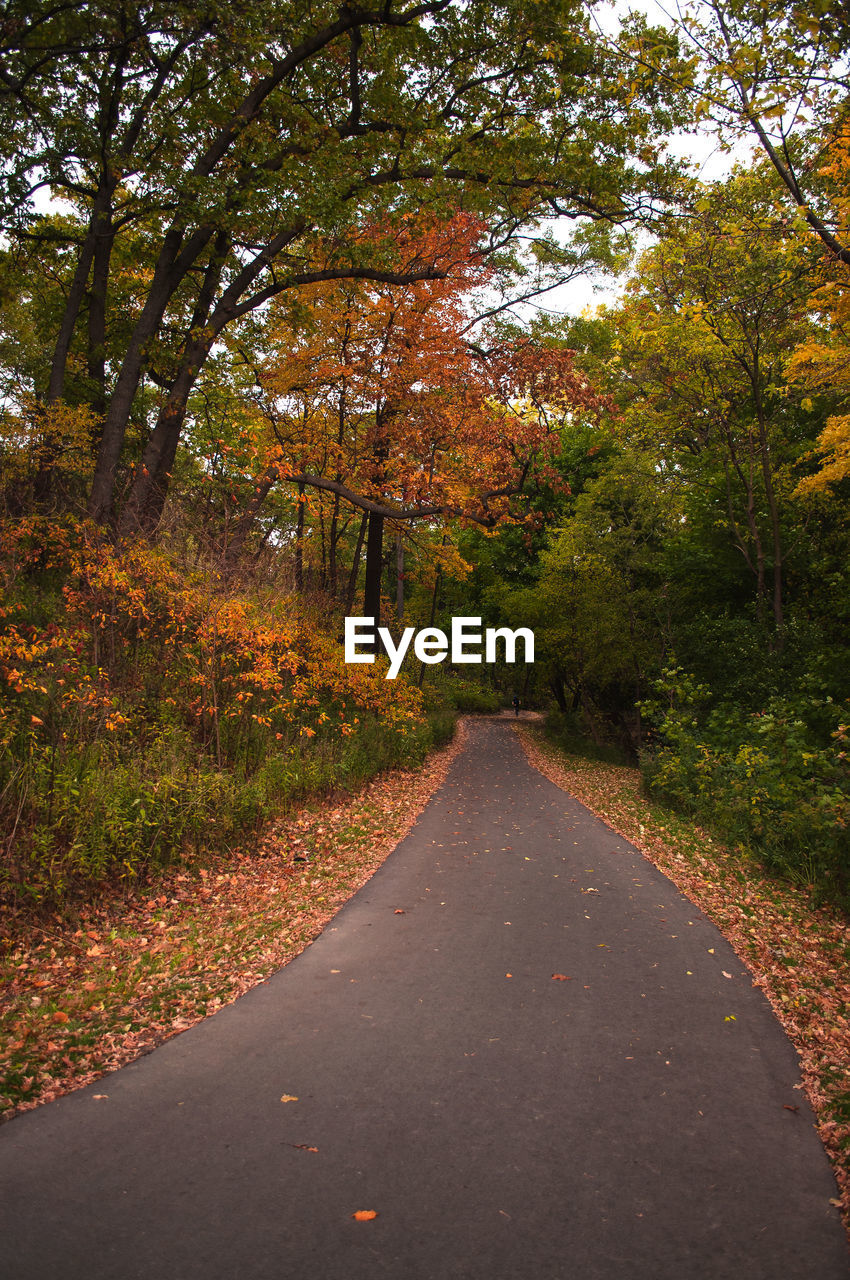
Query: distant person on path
515	704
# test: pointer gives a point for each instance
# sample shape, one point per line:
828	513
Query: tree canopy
280	335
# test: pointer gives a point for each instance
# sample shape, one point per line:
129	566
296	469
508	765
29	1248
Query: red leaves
561	977
432	421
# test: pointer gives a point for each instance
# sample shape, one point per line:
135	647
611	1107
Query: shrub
776	781
145	716
471	699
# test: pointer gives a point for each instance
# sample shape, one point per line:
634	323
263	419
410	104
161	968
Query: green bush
122	807
565	729
775	781
471	699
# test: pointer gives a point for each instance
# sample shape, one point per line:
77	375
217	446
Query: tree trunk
333	543
557	686
96	362
399	577
434	596
233	551
143	508
374	567
355	565
775	529
299	543
76	293
169	272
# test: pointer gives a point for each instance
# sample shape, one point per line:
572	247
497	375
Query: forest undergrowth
82	997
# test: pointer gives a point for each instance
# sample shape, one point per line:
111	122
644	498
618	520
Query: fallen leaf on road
725	974
561	977
302	1146
796	950
288	1097
399	911
364	1215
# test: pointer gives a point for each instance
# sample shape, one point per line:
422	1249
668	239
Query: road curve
637	1115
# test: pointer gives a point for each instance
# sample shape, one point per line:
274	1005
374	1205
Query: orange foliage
382	389
131	621
824	364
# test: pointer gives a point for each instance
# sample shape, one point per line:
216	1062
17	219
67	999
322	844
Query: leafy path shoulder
78	1000
799	955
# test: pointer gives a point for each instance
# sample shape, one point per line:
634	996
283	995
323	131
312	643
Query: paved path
629	1123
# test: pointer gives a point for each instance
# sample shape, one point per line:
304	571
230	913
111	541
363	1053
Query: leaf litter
81	997
798	953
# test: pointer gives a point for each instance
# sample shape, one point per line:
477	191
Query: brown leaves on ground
798	954
364	1215
79	999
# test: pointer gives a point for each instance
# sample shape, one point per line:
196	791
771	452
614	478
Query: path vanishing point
627	1120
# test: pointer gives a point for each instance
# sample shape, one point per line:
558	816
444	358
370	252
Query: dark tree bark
299	543
374	567
355	564
399	576
98	292
236	543
556	683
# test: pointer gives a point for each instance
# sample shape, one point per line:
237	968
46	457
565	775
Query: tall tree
713	314
247	139
773	72
394	400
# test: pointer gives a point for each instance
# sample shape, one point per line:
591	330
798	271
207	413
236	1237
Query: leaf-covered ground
80	999
83	998
799	955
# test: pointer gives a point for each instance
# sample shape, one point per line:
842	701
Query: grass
83	995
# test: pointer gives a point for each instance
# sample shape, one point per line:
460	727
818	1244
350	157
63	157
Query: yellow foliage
227	657
824	365
58	436
834	445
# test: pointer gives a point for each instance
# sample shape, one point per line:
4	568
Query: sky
700	148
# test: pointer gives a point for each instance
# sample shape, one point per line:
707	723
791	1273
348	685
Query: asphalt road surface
626	1121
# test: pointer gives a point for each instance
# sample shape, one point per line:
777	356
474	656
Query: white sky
700	148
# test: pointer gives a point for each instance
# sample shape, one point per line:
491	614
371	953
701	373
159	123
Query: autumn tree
713	313
246	140
772	73
397	402
821	364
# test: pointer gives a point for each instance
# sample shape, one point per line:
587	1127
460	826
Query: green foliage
473	699
776	781
569	732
